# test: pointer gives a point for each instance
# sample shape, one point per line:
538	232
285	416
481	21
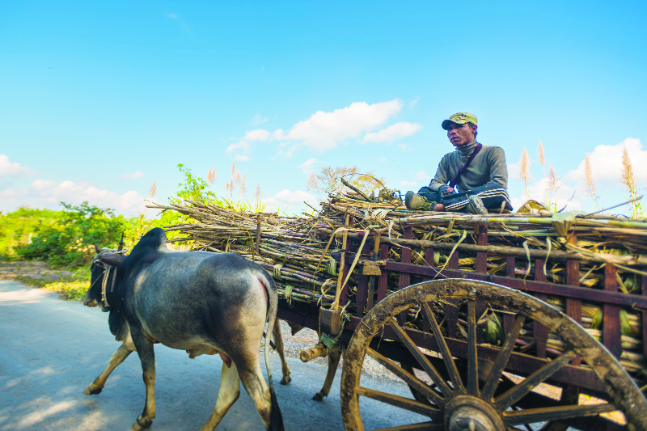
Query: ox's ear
112	259
98	249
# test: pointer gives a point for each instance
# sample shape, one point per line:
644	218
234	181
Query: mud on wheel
469	389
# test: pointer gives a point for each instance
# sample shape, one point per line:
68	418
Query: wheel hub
468	413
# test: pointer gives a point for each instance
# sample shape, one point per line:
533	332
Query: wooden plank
573	306
540	331
362	294
429	258
530	286
451	313
508	319
405	279
611	336
481	256
344	293
384	278
481	267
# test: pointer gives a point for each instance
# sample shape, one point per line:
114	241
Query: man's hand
445	189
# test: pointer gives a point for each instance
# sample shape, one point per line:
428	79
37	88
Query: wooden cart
476	385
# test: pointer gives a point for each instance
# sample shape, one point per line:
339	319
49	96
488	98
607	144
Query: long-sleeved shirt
488	166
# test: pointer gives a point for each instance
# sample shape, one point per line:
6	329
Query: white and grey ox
201	302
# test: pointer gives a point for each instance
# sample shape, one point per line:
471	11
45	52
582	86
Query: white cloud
9	169
134	175
242	158
241	144
405	148
257	135
414	102
324	130
295	197
606	164
422	175
258	119
48	194
277	135
392	133
382	159
172	15
308	166
408	183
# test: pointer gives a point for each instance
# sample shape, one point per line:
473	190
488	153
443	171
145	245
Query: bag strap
453	182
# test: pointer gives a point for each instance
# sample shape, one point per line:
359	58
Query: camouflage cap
460	118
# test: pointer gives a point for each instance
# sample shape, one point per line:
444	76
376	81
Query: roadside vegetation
64	239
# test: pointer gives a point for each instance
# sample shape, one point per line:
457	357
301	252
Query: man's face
460	134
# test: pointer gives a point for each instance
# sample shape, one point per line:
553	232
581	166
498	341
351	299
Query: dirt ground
31	269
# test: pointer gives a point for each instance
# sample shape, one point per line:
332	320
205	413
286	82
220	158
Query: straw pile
297	251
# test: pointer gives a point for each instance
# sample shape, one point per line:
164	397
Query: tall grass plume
542	159
590	188
524	169
629	182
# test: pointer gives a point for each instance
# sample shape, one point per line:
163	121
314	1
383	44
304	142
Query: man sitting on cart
472	179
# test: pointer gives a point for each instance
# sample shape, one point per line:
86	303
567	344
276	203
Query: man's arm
498	167
440	179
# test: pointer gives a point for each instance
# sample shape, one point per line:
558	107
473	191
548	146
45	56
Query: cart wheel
457	398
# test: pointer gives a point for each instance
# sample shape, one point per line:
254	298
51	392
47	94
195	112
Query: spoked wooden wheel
469	389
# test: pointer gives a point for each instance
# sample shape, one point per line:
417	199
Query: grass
71	288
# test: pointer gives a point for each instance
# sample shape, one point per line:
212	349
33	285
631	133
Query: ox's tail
276	418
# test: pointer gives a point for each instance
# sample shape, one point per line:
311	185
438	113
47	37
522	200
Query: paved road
51	349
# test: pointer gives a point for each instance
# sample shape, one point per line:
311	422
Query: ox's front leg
227	395
147	358
333	362
280	348
117	358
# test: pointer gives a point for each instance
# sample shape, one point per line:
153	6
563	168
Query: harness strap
114	277
104	284
453	182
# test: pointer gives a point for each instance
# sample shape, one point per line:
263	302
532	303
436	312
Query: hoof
142	423
318	397
285	380
93	390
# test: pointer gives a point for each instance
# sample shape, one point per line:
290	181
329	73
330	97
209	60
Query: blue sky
101	100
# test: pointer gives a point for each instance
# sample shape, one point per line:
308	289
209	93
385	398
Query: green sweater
488	166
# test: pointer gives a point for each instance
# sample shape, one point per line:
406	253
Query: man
472	179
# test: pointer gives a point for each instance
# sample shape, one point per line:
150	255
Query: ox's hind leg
278	342
333	362
147	358
117	358
227	396
257	388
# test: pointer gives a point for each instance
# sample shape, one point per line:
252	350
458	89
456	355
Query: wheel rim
459	397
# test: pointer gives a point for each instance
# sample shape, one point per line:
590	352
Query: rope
276	271
332	267
328	340
288	294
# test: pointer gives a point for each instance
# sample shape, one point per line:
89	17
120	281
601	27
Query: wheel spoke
404	403
492	380
444	350
409	378
472	360
421	358
516	393
428	426
545	414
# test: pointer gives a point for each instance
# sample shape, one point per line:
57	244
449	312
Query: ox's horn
112	259
98	249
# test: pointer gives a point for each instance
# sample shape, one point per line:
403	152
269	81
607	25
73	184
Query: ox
201	302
